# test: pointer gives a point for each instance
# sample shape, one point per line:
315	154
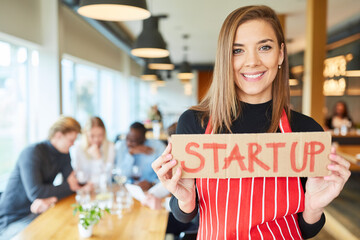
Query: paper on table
159	191
135	191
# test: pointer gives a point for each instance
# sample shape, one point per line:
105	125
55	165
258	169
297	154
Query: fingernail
326	177
173	161
168	156
331	166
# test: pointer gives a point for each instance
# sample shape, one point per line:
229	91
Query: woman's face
96	136
256	57
340	109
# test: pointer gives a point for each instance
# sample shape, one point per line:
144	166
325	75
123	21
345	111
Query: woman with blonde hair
250	94
93	156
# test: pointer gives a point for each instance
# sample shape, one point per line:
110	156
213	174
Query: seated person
155	114
152	201
135	155
174	226
30	189
340	117
93	156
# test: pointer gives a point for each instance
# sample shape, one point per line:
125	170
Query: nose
252	59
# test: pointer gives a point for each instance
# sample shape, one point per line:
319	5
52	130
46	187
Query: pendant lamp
185	71
160	82
161	64
114	10
149	74
150	43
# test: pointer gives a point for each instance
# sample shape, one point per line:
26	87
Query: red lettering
235	155
293	159
252	157
275	147
192	152
215	147
309	149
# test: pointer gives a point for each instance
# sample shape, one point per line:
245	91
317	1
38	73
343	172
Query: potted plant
89	215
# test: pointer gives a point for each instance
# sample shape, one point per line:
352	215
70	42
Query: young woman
250	94
93	156
340	117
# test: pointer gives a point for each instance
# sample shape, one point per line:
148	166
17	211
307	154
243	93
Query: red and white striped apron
250	208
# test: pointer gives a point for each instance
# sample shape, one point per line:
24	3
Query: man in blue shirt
135	155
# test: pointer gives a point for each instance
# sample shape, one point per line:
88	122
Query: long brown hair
221	101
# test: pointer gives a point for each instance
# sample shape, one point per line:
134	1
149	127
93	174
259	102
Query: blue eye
265	48
237	51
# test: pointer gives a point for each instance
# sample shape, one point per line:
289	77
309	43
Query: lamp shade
185	72
160	82
150	43
114	10
149	75
161	64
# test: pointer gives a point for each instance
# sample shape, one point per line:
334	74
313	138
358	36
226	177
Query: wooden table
59	223
350	153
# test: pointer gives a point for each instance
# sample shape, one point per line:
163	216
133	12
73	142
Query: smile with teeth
253	75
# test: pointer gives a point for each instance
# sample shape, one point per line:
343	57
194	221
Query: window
88	90
18	67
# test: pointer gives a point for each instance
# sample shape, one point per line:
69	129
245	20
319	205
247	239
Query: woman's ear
281	55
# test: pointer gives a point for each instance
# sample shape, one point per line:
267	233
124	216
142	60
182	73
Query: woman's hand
320	191
182	188
152	202
94	151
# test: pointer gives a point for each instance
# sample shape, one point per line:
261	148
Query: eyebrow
260	42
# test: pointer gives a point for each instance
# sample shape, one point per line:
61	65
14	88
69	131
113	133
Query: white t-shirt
93	169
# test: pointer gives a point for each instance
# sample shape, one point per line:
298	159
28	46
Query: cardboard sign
252	155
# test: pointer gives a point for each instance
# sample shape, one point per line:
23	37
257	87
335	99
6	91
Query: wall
22	19
204	82
34	24
54	30
80	40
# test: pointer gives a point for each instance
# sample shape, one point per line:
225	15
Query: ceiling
202	20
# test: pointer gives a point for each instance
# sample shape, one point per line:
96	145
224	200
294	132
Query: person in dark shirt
340	117
30	190
250	94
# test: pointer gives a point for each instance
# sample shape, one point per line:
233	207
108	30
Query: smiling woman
250	94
